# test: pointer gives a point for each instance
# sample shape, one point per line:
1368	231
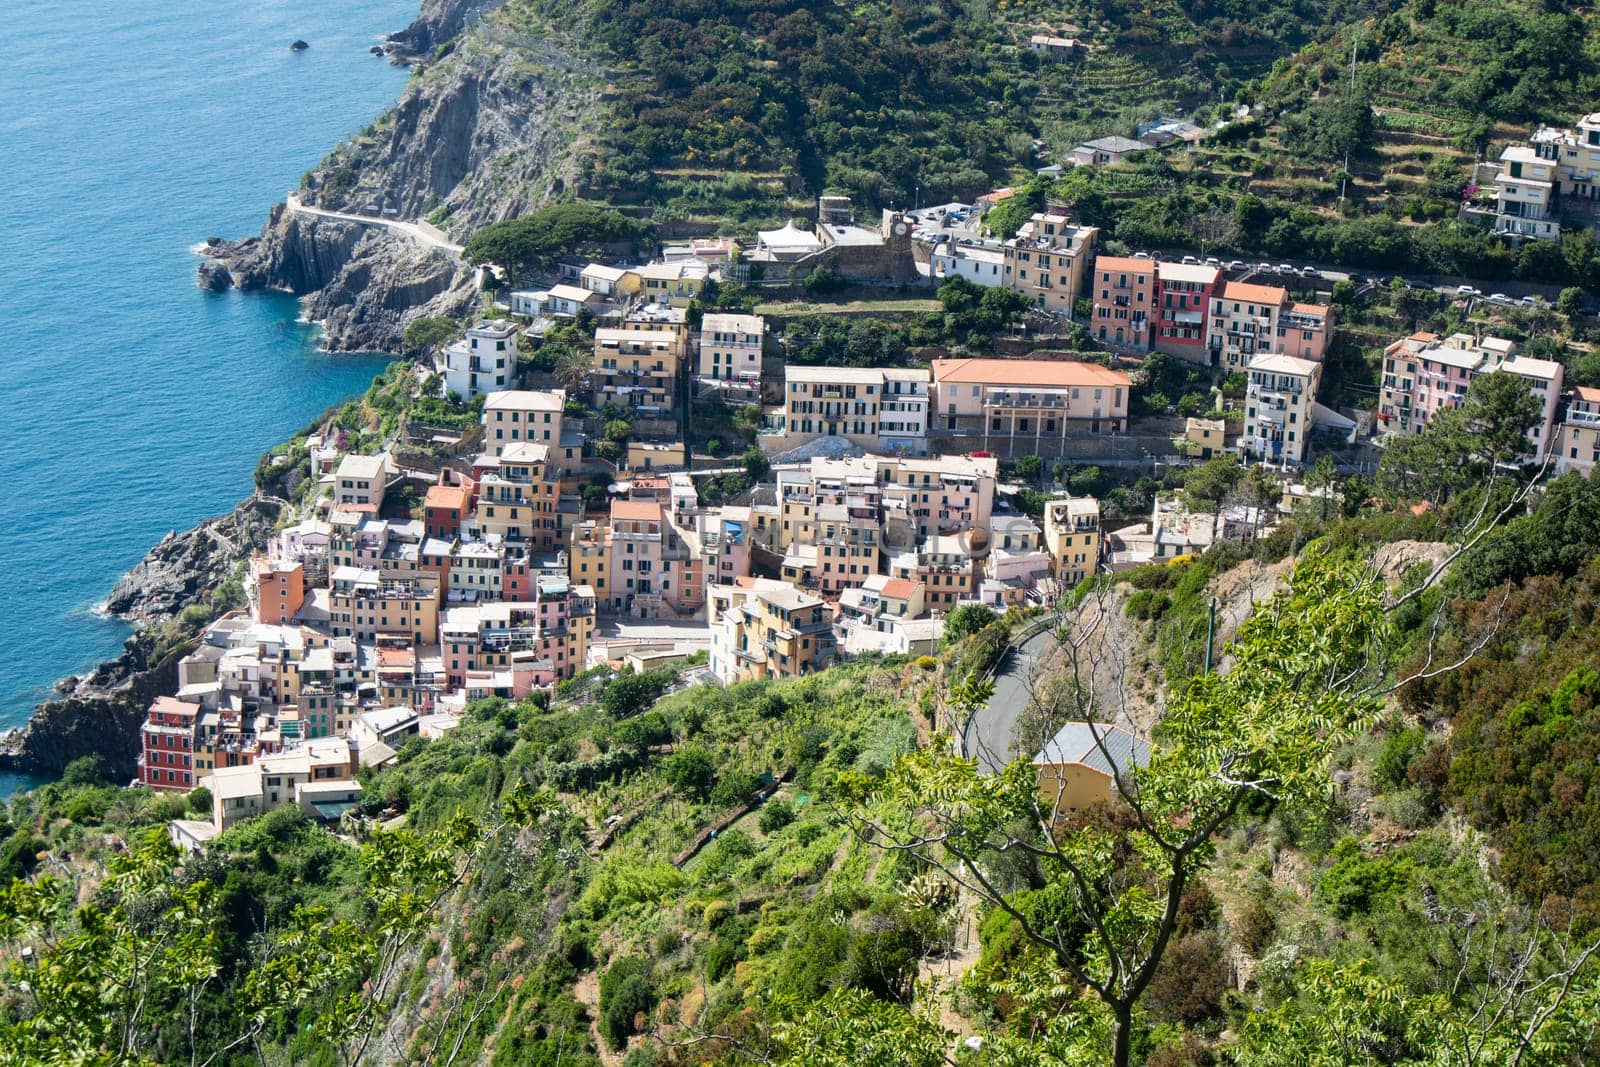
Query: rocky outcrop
184	568
214	277
100	715
484	134
438	22
361	283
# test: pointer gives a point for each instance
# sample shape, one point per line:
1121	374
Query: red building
443	509
1184	292
168	736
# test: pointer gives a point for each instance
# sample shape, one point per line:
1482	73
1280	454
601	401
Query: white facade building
485	361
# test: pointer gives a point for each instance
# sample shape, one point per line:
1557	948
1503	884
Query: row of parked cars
1501	299
1282	269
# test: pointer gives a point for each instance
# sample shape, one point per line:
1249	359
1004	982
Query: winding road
991	734
420	232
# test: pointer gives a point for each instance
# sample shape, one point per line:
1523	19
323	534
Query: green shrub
627	992
775	816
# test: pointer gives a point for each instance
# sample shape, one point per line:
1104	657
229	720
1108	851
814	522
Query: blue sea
133	403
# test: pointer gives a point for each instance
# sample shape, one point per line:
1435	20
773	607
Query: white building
1278	407
979	264
730	347
482	362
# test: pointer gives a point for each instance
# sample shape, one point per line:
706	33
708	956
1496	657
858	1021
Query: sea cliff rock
214	277
438	21
100	714
183	568
485	133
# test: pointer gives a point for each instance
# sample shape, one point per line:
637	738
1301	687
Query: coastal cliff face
485	133
100	714
438	22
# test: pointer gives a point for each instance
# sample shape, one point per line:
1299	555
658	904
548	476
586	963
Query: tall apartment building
1124	301
1047	261
530	415
730	347
1022	406
482	362
881	409
636	369
1248	320
1183	305
1423	374
1278	407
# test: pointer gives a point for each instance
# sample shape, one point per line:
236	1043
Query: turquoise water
133	403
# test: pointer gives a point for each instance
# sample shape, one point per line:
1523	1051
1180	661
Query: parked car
1264	268
1286	268
1190	260
1501	299
1141	255
1467	290
1213	261
1531	302
1233	264
1310	272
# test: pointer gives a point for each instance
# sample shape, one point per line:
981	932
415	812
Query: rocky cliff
100	714
484	133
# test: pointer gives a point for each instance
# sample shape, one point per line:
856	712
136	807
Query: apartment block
1124	301
1278	407
637	369
482	362
1577	445
1184	292
523	415
1072	537
1048	260
879	409
761	628
730	347
1021	405
1248	320
1424	373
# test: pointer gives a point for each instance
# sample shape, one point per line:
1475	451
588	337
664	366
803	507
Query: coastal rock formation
438	21
214	277
100	714
485	133
183	568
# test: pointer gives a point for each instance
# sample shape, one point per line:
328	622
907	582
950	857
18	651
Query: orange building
280	590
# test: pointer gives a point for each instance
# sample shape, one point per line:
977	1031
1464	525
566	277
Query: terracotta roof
1587	393
1255	294
446	496
1311	309
899	588
1128	263
173	706
640	510
395	657
1041	372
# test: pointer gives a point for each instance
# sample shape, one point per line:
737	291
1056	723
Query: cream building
880	409
1278	407
1023	405
1047	261
1072	537
730	347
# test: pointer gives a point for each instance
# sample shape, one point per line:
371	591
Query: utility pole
1211	630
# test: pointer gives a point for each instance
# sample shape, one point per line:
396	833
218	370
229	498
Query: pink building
1250	320
1124	293
1423	374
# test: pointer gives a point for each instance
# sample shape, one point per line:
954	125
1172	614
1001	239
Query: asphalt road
991	735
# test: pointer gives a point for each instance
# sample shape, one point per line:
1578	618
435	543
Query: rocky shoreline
100	714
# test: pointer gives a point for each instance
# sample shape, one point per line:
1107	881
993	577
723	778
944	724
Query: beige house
360	481
1080	766
1020	403
1577	445
762	628
1206	437
527	415
880	409
1072	537
1248	320
615	283
673	283
636	369
730	347
1047	261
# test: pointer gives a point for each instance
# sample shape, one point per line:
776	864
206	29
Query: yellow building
1078	768
1206	437
762	628
518	495
673	283
362	603
636	369
1072	537
589	559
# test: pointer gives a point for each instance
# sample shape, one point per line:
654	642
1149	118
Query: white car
1213	261
1190	261
1467	290
1141	255
1501	299
1285	268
